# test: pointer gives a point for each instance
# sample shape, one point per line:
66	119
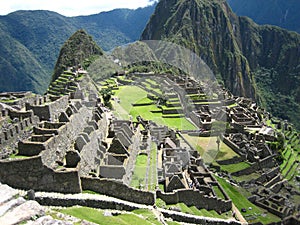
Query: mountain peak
260	62
208	29
79	47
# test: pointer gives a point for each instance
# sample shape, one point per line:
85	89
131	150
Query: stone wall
117	190
31	173
191	219
91	154
195	198
232	145
253	168
64	140
17	129
233	160
50	110
69	201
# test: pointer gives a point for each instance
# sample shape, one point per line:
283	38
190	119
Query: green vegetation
218	192
152	176
129	95
77	49
139	174
231	168
200	212
97	216
240	201
30	41
203	144
269	12
192	210
272	80
16	156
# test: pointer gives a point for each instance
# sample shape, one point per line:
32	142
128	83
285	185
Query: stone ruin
71	143
183	174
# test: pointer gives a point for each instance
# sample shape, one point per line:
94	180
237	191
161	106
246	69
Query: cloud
71	7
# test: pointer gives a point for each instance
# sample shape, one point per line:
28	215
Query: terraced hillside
252	170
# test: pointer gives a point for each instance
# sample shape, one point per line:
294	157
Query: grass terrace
193	210
139	174
130	95
204	144
152	175
239	199
137	217
231	168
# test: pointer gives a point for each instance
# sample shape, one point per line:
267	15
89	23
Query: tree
106	94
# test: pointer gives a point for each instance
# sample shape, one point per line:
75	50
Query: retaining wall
117	190
31	173
195	198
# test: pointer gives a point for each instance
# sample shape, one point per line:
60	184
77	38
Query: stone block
88	129
69	111
116	172
63	117
72	159
85	136
93	124
80	143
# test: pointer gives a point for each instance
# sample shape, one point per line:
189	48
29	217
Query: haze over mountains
30	41
282	13
261	62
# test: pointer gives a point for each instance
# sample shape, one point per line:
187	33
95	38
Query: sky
70	7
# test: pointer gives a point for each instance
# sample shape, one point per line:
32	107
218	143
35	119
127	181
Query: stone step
23	212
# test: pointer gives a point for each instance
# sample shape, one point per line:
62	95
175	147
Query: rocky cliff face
79	47
235	48
207	28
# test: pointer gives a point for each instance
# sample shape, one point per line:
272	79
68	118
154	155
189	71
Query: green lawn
152	177
240	201
97	216
193	210
247	177
139	174
133	94
218	192
208	144
200	212
231	168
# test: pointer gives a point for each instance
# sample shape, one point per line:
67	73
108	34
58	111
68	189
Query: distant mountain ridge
261	62
282	13
30	41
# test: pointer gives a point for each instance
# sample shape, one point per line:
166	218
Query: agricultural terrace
132	101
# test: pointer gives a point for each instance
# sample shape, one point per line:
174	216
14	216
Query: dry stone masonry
67	142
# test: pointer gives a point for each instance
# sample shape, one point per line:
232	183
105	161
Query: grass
15	156
144	101
97	216
240	201
218	192
152	176
138	177
208	144
231	168
247	177
173	223
288	164
200	212
147	215
133	94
